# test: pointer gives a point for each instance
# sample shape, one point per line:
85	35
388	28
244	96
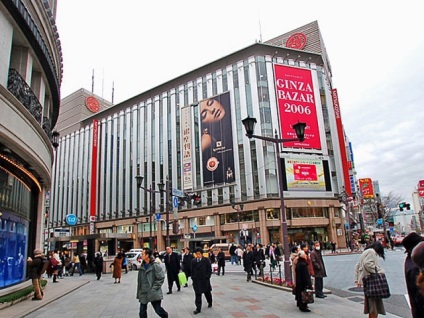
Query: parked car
134	260
225	248
398	239
163	253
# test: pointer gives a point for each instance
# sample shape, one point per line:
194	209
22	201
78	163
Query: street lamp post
343	198
249	125
161	186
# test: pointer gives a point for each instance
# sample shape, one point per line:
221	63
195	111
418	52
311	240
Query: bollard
279	271
270	272
262	270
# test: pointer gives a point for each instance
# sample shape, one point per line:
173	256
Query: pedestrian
294	257
319	270
418	258
211	256
233	255
412	271
186	263
221	262
272	257
62	266
333	247
98	263
117	267
124	262
76	263
368	264
55	263
239	252
35	266
248	263
303	281
201	271
173	267
149	284
259	257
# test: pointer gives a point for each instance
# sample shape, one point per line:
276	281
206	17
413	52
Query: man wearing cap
412	271
34	267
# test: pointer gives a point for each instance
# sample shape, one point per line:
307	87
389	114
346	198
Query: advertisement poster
217	140
296	103
186	149
366	188
305	175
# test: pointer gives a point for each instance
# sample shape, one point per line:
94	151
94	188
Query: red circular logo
92	104
296	41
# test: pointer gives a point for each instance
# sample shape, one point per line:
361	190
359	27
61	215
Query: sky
374	49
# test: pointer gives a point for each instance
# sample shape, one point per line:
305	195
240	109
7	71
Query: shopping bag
182	278
307	297
214	267
376	286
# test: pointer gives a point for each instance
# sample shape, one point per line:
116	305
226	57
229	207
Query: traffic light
408	206
401	206
175	227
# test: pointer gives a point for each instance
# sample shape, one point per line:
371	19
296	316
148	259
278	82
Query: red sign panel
296	102
366	188
296	41
421	184
421	192
305	172
93	183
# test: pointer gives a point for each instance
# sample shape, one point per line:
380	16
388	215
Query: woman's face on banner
211	111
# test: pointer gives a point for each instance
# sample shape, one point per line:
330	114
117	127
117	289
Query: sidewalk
232	297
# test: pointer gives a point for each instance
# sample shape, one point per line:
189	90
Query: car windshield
131	255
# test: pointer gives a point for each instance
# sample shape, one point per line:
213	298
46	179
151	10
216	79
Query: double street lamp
249	125
163	187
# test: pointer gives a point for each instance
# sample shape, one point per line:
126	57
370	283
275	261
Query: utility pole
380	213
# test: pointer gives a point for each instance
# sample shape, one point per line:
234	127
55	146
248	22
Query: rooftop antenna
92	83
113	91
260	32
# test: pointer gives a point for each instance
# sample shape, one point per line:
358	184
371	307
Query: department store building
189	132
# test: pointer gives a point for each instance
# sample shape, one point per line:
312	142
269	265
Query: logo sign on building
71	219
296	41
217	140
296	103
421	188
366	188
186	148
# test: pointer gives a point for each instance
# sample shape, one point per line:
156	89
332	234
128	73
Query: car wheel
134	267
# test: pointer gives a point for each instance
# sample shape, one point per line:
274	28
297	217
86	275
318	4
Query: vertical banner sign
342	144
421	188
93	183
217	140
296	103
186	149
366	188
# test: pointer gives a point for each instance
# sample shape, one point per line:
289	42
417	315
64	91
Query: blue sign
71	219
175	201
379	221
194	228
158	216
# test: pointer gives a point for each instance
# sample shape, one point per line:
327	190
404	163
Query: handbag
182	278
307	296
376	286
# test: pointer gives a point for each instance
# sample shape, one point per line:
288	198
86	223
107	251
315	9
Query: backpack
43	266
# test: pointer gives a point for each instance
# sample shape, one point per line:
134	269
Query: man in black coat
319	270
98	263
201	271
233	254
221	262
173	267
259	256
248	262
186	263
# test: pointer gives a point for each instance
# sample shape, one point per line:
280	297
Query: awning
98	236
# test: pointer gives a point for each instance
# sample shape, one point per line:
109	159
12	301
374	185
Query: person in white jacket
367	264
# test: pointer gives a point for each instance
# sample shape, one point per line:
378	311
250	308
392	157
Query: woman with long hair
368	264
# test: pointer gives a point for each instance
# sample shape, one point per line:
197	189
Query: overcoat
248	261
117	267
415	298
303	279
201	272
317	264
149	282
186	264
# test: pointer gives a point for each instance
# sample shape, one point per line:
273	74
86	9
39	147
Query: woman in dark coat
303	281
186	263
117	268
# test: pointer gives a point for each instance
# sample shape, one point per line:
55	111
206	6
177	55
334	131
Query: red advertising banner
304	174
342	145
421	192
421	184
93	183
366	188
296	103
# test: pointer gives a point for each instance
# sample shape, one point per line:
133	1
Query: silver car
134	260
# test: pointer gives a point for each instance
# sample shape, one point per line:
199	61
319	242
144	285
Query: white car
134	260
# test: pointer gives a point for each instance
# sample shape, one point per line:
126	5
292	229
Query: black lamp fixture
139	180
55	139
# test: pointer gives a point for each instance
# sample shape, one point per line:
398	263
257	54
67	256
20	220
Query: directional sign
175	202
194	228
178	193
158	216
